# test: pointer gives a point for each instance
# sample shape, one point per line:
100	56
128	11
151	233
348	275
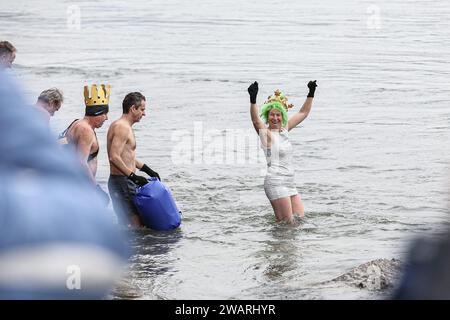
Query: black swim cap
93	111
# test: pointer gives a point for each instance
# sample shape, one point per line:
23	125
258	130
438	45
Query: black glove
139	180
312	88
150	172
253	91
103	195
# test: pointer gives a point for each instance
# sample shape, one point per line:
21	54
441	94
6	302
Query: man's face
7	59
100	120
139	111
52	107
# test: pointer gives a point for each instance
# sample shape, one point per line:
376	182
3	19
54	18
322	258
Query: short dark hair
6	47
133	98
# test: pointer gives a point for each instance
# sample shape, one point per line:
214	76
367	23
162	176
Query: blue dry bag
156	206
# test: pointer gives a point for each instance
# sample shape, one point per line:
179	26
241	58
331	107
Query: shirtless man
81	133
123	163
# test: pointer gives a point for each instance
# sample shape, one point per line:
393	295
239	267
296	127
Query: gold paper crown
278	97
98	97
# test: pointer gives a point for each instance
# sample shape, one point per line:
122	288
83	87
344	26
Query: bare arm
259	126
138	164
301	114
305	109
84	138
117	146
261	130
256	120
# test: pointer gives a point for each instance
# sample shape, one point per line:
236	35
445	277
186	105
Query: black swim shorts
122	192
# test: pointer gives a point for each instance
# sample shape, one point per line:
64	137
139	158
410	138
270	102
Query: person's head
274	114
7	54
98	121
274	111
97	104
134	105
51	100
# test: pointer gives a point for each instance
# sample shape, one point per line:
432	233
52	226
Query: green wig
274	105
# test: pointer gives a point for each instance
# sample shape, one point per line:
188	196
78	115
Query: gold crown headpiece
98	97
278	97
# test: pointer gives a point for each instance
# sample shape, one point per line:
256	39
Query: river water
371	160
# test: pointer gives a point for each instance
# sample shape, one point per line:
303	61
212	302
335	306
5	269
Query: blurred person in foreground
57	241
426	274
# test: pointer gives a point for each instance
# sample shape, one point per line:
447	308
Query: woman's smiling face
275	119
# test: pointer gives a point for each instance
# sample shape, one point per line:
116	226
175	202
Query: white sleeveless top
280	178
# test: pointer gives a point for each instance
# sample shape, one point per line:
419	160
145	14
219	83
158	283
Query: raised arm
264	134
305	109
256	120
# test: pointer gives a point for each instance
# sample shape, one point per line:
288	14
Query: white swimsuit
280	178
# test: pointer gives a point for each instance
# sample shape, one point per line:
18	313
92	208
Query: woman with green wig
279	183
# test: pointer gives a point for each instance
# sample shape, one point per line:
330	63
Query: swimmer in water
279	183
81	133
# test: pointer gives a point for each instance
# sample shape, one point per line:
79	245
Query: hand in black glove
312	88
150	172
253	91
139	180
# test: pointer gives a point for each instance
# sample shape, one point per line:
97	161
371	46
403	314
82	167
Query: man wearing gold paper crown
81	133
279	183
123	181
